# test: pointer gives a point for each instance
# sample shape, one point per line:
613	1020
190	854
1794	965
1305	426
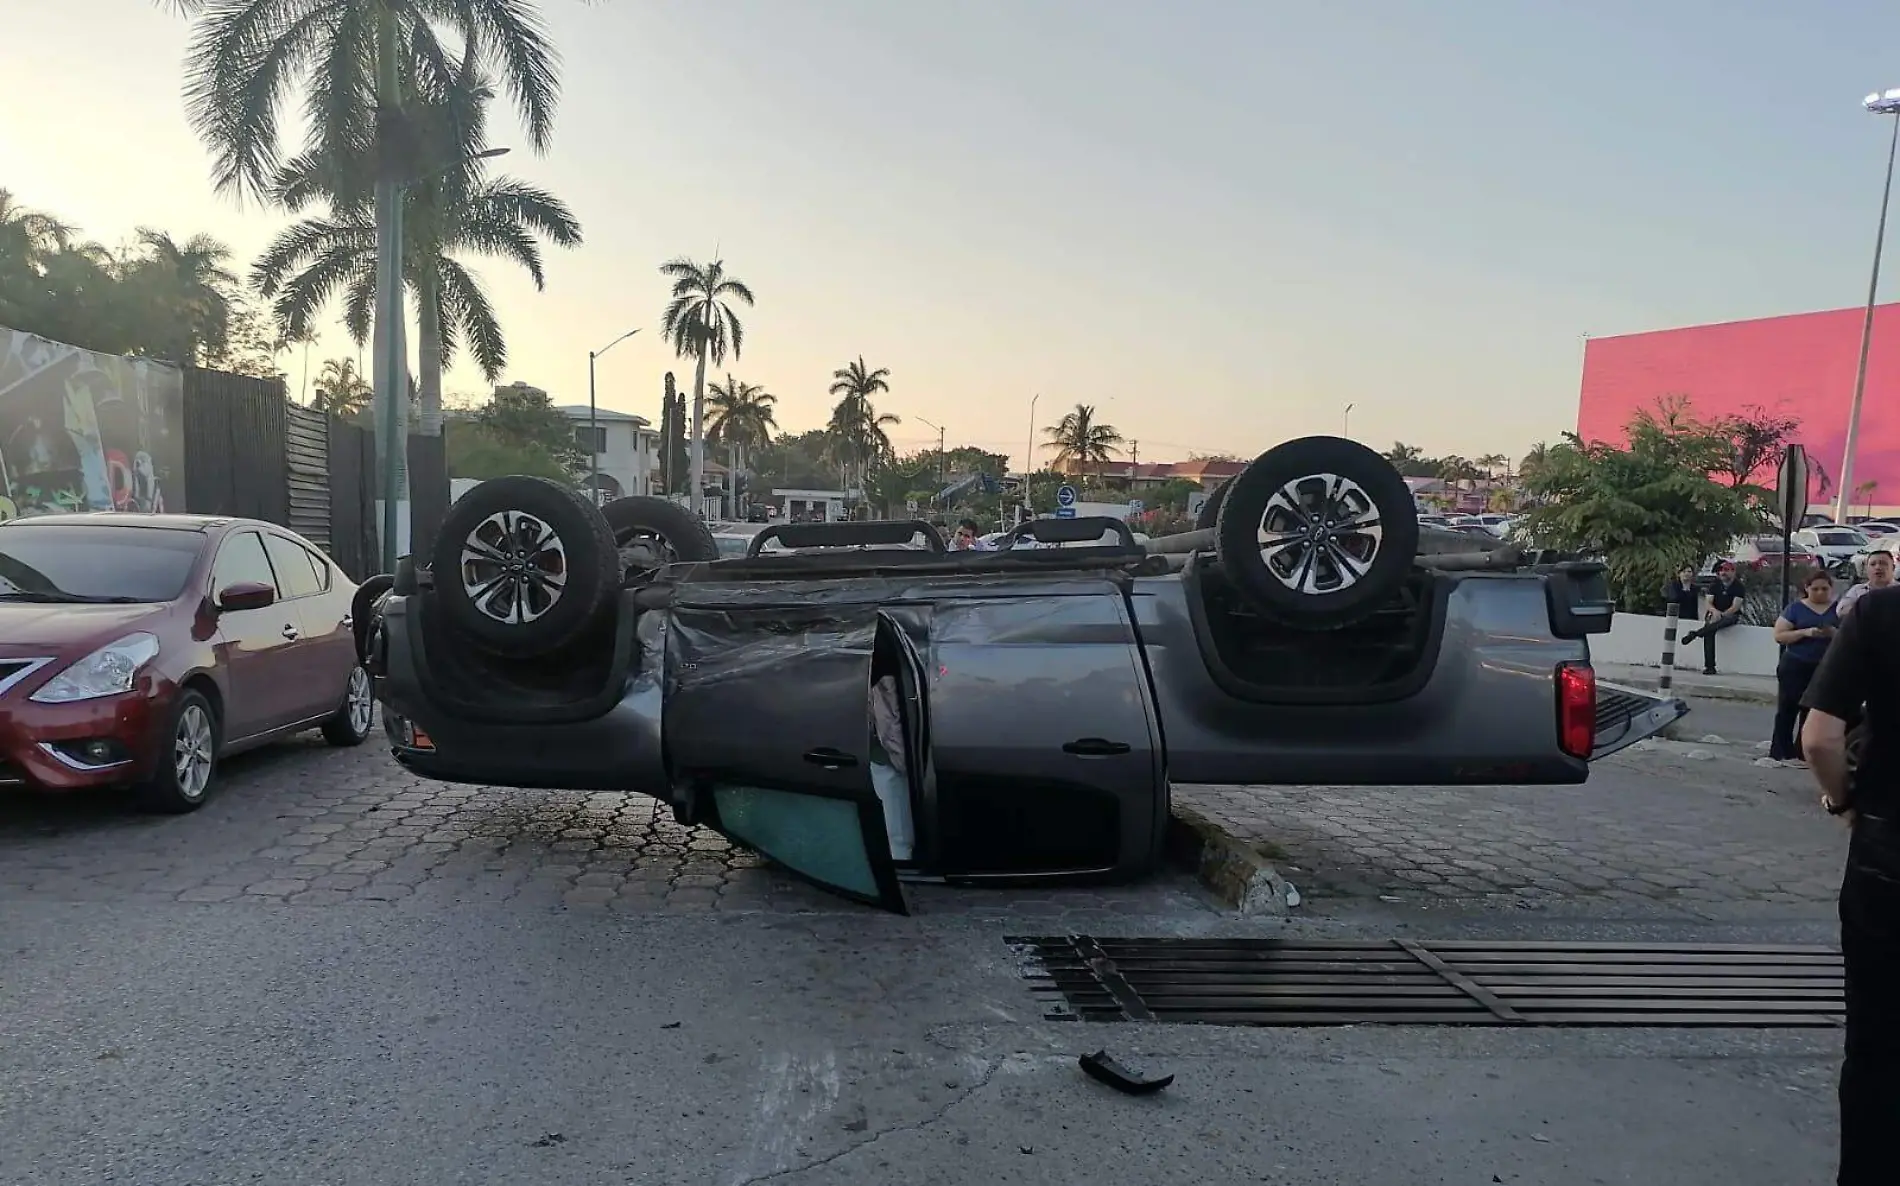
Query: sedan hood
57	628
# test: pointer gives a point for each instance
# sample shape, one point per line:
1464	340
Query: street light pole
1888	104
1345	422
1029	454
943	465
391	381
593	417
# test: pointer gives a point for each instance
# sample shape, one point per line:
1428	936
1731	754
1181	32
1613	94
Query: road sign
1065	497
910	506
1195	503
1791	486
1065	512
1134	506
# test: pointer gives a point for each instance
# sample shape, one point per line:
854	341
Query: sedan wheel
191	752
350	724
187	765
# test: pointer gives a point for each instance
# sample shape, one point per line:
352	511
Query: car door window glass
242	560
294	574
322	569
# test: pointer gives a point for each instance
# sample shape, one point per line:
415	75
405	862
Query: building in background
1801	366
628	445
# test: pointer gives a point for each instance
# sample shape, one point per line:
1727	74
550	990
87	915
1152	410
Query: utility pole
943	462
1134	461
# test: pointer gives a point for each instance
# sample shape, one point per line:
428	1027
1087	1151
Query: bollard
1671	616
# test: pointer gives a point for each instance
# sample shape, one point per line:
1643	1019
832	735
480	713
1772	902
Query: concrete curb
1234	871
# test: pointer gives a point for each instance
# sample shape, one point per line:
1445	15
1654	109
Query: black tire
353	719
1210	510
1341	595
638	520
174	789
544	549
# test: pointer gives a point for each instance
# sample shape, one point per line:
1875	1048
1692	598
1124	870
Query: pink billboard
1800	366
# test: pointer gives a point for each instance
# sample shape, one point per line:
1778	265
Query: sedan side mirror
246	595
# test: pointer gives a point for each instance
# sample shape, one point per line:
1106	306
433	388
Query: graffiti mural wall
85	431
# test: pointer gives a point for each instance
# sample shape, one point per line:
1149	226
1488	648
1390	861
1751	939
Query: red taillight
1576	709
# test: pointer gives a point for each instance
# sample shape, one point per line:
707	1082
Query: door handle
290	632
1096	747
830	759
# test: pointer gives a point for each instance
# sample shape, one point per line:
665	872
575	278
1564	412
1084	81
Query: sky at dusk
1218	221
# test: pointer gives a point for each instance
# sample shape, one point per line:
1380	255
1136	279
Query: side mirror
246	595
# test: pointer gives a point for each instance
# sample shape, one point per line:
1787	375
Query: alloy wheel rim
1320	534
514	567
191	752
361	702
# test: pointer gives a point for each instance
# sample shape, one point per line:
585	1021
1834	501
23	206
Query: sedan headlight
106	672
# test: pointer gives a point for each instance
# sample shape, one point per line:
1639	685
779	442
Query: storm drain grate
1273	982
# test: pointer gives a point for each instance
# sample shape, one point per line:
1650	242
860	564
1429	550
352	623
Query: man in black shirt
1859	679
1725	609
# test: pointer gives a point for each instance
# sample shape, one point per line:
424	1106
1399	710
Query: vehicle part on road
1210	510
1275	982
181	781
876	534
1318	531
1087	529
650	533
523	565
1103	1068
351	724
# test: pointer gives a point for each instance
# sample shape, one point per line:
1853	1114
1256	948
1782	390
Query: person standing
1860	678
1803	630
1683	592
1724	610
1879	576
967	539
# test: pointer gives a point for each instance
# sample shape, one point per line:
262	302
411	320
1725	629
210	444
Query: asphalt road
567	989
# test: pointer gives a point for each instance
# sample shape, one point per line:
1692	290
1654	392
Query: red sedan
138	650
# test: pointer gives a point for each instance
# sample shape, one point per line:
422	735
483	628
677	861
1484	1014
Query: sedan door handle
1096	747
290	632
830	759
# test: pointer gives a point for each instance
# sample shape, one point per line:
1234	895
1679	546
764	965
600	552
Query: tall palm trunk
391	370
697	483
429	359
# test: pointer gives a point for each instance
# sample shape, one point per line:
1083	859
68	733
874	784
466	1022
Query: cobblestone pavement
304	824
1664	829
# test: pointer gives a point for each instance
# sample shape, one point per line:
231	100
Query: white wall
1638	639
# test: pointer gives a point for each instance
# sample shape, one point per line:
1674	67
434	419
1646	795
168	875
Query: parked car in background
1762	553
1834	544
1890	544
138	650
1877	527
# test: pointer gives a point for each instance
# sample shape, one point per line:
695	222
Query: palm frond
476	317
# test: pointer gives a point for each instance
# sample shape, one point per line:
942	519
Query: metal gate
307	473
1274	982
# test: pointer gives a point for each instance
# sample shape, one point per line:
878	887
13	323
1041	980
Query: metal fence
250	452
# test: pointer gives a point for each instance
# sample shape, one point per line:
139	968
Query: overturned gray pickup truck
856	702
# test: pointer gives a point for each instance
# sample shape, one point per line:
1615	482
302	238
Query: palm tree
700	323
855	436
340	390
1079	440
741	418
192	287
1491	463
322	256
28	239
352	61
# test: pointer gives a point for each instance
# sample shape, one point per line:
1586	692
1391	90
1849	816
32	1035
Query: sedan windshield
85	564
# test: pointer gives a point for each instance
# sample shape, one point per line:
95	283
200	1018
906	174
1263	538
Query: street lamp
391	378
593	413
1345	422
1880	103
1029	453
943	468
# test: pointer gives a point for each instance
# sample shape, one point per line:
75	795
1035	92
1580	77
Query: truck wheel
1318	532
650	532
1210	510
523	565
